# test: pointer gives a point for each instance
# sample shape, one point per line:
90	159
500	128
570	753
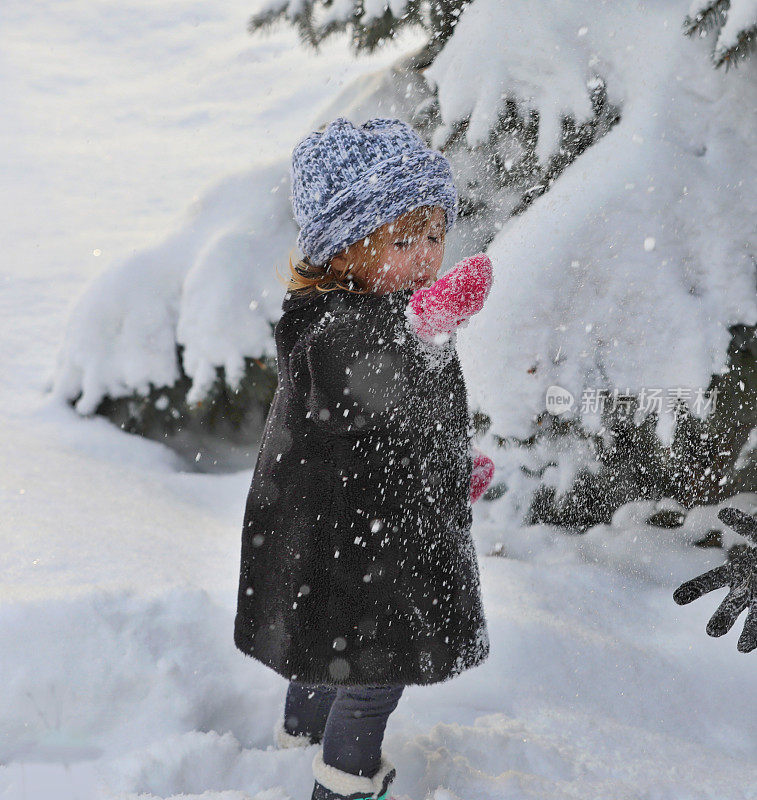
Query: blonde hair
360	256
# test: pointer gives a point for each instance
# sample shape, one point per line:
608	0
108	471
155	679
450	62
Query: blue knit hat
347	181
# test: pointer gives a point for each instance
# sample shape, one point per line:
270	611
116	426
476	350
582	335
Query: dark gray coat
357	563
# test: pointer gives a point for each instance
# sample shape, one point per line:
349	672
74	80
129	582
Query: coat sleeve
358	375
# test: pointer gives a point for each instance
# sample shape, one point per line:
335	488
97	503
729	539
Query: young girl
358	572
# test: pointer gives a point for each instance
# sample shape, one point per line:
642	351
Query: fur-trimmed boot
334	784
284	740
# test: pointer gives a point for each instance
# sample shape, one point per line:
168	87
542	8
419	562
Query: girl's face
409	261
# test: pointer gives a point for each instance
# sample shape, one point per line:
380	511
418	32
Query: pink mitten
451	300
483	471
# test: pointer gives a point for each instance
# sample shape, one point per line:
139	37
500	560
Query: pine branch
437	17
265	20
714	16
746	43
444	15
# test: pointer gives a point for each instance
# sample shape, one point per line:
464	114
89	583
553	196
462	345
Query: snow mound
210	286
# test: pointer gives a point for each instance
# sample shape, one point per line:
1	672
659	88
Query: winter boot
334	784
284	740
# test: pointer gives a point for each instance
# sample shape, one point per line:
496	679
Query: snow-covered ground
119	674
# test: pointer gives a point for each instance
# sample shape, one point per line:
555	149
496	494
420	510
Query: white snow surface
119	570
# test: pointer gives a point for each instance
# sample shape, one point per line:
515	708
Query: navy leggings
350	720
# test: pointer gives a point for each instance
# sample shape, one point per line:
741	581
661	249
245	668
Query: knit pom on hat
347	181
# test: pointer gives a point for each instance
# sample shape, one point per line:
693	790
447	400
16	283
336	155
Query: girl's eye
434	239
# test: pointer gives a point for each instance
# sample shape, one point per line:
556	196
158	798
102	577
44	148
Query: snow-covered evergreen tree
609	174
